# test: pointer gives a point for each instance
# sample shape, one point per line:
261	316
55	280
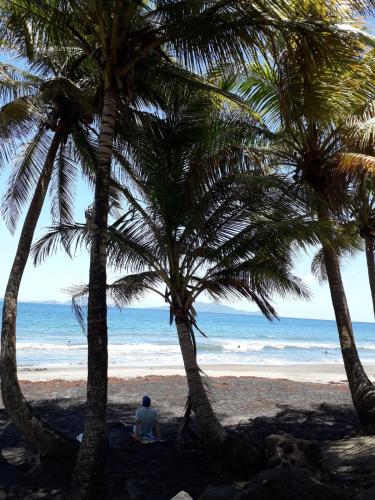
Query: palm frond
356	162
24	177
78	294
62	187
16	82
126	290
318	266
123	291
130	247
70	236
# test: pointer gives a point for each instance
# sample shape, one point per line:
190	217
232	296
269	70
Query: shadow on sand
158	469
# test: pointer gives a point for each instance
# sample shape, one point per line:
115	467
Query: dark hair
146	401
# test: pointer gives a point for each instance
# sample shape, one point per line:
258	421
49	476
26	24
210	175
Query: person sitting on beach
146	420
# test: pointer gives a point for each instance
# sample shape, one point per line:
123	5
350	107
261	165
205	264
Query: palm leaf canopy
201	215
308	108
320	125
30	120
115	36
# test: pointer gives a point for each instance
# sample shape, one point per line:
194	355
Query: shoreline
314	373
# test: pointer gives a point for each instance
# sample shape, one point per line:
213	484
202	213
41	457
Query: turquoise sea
49	335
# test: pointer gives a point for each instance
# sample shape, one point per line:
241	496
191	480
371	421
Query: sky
50	280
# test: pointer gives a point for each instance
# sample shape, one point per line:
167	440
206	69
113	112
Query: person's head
146	401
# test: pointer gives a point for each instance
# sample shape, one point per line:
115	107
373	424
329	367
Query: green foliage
203	216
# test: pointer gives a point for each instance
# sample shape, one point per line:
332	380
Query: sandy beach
312	402
316	373
258	406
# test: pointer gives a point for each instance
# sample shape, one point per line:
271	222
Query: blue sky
59	272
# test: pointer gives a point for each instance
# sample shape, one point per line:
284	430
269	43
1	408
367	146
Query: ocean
49	336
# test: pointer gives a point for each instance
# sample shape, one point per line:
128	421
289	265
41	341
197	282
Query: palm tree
117	37
309	108
199	34
56	97
194	229
56	114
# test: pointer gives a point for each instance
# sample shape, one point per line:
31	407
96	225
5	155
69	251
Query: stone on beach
289	483
286	450
182	495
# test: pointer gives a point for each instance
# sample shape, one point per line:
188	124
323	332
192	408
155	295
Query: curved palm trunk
231	449
370	257
88	480
210	429
43	437
361	388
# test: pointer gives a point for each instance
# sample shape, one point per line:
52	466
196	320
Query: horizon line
239	311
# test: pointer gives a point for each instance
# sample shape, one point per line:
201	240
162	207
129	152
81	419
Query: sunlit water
49	335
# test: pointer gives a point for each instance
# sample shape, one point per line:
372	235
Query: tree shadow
158	469
323	422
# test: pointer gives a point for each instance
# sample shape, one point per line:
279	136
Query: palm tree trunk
370	257
42	436
212	432
88	482
361	388
233	450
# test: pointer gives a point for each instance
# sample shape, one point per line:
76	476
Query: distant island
214	308
200	307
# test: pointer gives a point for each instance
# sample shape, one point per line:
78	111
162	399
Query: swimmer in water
69	343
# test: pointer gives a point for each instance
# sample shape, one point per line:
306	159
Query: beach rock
284	449
182	495
222	492
368	494
239	455
289	483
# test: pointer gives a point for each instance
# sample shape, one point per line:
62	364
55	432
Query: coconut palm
193	228
166	79
54	116
117	37
309	108
71	145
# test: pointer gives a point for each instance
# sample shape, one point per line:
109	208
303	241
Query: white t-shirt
148	417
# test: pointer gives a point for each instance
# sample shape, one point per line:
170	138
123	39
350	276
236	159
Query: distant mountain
215	308
49	302
199	307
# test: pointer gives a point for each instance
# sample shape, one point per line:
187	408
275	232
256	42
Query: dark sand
258	406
